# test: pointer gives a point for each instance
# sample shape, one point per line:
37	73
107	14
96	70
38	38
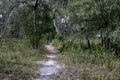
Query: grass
93	64
17	59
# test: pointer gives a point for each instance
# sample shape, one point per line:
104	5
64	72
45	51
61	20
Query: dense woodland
85	32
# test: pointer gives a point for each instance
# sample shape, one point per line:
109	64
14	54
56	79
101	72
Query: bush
97	58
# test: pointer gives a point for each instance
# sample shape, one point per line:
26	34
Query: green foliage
13	44
116	47
59	37
17	59
94	17
16	66
96	58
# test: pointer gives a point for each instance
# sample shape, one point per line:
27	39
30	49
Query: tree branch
25	2
36	4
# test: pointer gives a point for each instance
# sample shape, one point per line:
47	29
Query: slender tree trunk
35	33
102	39
88	42
107	39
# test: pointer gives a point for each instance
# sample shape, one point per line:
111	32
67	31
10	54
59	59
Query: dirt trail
49	66
50	49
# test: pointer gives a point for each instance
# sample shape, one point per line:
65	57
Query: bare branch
25	2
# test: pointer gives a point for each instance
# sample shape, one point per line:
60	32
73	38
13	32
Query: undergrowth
95	63
17	59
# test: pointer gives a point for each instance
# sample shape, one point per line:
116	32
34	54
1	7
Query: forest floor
48	64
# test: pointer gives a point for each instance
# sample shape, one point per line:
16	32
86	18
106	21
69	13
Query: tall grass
97	63
17	59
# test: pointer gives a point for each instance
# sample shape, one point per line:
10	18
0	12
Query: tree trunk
35	33
102	39
88	42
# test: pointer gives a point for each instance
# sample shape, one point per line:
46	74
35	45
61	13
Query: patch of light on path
1	15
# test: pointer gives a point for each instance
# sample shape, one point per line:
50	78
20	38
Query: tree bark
35	33
88	42
102	39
